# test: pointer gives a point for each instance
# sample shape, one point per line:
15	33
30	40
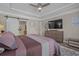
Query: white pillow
2	50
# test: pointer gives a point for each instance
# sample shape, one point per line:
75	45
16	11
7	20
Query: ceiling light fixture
40	6
39	9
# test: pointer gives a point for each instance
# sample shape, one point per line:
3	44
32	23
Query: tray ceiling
26	10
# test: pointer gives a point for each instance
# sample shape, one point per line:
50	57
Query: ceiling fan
40	6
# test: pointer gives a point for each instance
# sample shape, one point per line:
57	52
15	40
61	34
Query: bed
31	45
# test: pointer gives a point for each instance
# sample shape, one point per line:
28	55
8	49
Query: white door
13	25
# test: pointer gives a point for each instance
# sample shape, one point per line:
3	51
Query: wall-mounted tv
55	24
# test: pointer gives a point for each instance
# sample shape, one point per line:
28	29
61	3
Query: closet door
13	25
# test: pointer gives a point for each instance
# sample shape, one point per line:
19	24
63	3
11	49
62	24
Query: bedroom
23	19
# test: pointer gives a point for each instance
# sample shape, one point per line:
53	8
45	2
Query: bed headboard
55	34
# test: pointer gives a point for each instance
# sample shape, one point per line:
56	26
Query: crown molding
33	16
42	15
3	13
51	12
25	12
68	12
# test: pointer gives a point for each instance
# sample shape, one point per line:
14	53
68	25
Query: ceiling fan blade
33	5
39	4
45	4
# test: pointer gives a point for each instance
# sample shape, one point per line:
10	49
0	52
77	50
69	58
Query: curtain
12	25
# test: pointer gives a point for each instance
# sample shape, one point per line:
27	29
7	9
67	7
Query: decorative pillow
4	46
2	50
8	41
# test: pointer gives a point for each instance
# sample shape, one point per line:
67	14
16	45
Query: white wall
70	31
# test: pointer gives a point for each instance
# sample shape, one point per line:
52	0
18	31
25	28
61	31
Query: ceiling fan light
39	8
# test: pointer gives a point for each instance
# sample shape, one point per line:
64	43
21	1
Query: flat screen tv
55	24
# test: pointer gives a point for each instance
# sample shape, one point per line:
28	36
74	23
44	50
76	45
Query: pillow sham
2	50
8	41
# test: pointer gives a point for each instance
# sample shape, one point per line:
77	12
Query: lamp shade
1	27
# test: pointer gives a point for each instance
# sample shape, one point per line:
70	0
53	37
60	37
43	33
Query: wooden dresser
55	34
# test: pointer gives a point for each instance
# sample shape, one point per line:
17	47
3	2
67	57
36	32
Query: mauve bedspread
49	46
26	47
19	51
34	45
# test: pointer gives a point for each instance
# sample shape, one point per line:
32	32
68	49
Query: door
22	28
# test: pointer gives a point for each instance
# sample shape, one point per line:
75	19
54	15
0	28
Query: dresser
55	34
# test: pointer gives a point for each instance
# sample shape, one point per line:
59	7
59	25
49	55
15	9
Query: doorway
22	28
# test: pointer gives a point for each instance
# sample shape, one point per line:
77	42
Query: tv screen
55	24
